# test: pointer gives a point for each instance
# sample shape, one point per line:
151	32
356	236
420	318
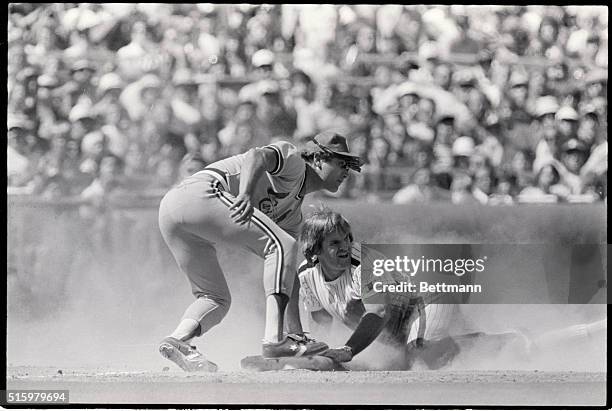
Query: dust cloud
78	306
113	314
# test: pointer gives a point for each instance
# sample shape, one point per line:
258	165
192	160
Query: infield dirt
520	388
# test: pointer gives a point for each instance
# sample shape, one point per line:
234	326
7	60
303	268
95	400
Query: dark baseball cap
336	144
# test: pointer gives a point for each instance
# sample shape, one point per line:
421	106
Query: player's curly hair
316	227
309	155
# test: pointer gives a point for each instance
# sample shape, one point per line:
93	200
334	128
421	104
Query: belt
217	174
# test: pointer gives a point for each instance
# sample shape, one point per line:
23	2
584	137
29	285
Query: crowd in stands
478	104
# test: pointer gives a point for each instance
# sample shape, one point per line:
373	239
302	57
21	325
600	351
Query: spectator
106	183
445	132
355	59
420	191
56	188
567	123
465	43
547	189
135	58
19	166
300	101
83	120
263	64
463	149
442	76
327	115
522	167
93	147
275	121
81	87
516	119
574	154
108	105
483	184
588	126
461	189
504	191
47	107
116	69
190	164
240	131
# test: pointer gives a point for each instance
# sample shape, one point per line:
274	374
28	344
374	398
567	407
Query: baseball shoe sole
187	357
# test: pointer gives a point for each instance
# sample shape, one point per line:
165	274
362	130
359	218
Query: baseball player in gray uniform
251	200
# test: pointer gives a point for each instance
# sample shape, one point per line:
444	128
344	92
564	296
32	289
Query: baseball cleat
293	345
185	356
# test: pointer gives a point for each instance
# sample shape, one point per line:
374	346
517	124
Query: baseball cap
268	87
567	113
300	75
79	112
463	146
546	105
263	57
446	118
428	51
27	73
110	81
406	89
596	76
464	77
334	143
47	80
82	64
18	121
573	144
589	109
150	81
518	79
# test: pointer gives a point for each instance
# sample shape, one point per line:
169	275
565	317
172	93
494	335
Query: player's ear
317	160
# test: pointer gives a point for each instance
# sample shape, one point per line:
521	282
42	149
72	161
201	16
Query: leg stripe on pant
280	251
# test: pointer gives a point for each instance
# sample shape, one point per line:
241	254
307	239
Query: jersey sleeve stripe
280	162
303	267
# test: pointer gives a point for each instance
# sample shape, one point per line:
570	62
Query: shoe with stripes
293	345
185	356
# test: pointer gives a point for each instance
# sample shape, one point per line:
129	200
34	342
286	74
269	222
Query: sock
275	310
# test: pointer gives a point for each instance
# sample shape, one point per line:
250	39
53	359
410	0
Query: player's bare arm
368	329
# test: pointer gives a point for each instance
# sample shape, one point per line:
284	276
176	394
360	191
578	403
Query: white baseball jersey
341	298
276	193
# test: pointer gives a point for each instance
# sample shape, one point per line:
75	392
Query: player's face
333	172
336	251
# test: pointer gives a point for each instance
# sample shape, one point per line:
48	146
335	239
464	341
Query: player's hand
242	209
340	354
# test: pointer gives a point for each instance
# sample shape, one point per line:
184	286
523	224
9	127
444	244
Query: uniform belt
218	175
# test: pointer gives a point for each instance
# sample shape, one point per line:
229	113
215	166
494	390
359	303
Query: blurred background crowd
479	104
